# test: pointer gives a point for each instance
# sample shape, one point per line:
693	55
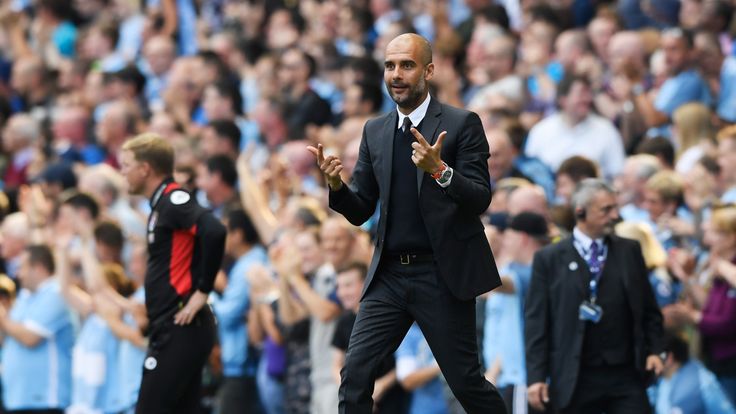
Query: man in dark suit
593	327
431	258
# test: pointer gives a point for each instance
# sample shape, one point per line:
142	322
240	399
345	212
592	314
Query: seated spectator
576	131
686	386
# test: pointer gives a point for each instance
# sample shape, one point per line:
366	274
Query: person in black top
185	245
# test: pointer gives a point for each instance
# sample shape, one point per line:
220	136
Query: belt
410	258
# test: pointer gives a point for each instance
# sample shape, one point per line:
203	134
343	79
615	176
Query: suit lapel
428	128
389	133
577	267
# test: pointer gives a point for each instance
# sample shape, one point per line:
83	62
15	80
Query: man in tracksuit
185	246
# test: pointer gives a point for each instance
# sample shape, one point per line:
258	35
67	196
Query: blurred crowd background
641	93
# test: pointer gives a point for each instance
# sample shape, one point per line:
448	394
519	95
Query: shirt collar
416	115
584	240
160	191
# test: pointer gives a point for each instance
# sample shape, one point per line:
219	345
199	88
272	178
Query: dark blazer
554	333
451	215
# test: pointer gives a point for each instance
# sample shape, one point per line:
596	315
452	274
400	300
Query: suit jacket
451	215
553	331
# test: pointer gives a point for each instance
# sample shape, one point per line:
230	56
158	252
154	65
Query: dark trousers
239	395
398	295
610	390
172	373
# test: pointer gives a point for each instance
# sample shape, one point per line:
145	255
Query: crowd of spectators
640	93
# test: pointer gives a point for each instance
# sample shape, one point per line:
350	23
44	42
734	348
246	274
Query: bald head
413	41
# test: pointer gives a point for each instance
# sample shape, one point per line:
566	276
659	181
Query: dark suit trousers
610	390
398	295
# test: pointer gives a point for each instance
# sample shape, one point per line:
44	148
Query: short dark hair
83	201
371	92
567	82
239	220
40	254
131	75
227	88
660	147
228	130
676	346
224	166
354	265
110	234
578	167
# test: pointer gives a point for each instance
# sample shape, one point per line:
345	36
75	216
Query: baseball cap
532	224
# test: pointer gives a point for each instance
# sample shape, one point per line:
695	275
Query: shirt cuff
446	184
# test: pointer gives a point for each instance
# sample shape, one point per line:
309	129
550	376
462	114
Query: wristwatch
443	174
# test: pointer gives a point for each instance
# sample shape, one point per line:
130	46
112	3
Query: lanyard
596	269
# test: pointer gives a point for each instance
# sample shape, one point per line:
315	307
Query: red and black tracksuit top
186	244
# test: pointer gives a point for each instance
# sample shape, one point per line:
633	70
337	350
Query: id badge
590	312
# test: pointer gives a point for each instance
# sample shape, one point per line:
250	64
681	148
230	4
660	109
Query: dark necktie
594	261
406	125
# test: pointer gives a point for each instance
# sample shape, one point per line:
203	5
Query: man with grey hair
19	141
593	327
14	237
630	185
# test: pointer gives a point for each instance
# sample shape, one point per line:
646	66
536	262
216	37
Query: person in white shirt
574	130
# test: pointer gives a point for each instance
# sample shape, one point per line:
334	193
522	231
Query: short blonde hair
153	149
725	133
668	184
724	219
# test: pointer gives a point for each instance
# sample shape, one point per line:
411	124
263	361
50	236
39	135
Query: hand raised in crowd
681	264
538	394
426	156
34	204
331	166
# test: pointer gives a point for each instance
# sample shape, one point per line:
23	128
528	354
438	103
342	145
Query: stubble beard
413	97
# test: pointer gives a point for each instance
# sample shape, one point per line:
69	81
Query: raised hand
331	166
425	156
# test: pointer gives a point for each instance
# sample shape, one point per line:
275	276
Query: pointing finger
419	137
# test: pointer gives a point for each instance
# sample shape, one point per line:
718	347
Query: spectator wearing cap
56	179
593	327
504	321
